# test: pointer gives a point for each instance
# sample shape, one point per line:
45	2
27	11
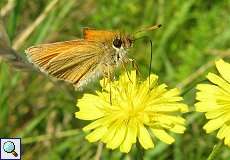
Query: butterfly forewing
40	55
71	61
99	35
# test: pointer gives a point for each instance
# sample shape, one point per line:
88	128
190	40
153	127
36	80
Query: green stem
140	152
46	137
215	151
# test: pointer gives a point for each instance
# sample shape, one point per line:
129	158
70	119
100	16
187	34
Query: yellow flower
136	113
215	101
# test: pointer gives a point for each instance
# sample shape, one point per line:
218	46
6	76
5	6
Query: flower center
133	111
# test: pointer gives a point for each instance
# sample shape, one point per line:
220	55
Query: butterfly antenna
151	57
151	54
127	73
135	66
110	87
110	94
151	28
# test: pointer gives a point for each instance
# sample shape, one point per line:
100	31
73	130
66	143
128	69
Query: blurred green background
194	33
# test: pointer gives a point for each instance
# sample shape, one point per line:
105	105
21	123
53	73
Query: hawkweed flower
137	111
214	100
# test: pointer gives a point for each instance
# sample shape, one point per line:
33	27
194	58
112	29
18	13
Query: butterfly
81	61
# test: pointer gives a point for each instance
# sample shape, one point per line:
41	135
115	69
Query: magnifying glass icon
9	147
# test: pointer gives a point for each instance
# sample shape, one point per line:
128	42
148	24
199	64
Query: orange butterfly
81	61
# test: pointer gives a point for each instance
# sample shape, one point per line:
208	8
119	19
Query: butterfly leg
110	87
124	66
107	80
104	83
135	65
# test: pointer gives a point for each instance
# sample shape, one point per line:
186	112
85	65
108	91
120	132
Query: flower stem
140	151
215	151
99	151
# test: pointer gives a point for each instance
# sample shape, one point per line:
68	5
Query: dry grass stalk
26	33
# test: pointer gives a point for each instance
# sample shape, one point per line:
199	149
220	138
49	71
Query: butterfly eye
117	43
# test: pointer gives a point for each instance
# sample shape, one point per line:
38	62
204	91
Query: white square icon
10	148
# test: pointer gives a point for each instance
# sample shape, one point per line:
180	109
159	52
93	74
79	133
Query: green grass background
42	112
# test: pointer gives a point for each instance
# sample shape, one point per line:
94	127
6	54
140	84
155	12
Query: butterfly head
122	42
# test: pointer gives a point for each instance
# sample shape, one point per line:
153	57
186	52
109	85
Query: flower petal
214	113
110	132
90	107
223	132
178	129
168	107
131	136
93	125
224	69
96	134
213	124
118	137
144	137
168	119
162	135
219	81
205	106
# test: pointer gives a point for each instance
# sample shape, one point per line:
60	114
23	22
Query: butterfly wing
99	35
40	55
71	61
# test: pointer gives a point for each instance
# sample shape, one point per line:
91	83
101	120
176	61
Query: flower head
135	112
214	99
